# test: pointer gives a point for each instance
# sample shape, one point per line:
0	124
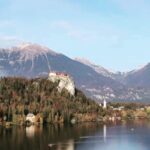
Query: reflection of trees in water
136	123
82	140
66	137
68	145
38	138
66	134
59	132
17	137
11	137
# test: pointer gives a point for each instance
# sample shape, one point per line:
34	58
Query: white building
31	118
65	81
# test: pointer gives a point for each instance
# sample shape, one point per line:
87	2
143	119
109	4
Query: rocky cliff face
64	82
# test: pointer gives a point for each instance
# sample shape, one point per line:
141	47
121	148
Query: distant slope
99	69
139	78
117	76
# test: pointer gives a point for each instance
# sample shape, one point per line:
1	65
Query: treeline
128	105
20	96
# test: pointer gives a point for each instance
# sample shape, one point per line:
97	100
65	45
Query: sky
112	33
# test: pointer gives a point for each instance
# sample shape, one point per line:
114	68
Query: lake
131	135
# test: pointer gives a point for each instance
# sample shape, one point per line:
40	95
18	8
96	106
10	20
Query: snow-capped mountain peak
28	51
32	49
27	55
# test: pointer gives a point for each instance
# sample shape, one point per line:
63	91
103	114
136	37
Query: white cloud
74	31
103	34
8	41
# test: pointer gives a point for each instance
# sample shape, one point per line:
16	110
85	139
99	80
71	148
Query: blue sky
111	33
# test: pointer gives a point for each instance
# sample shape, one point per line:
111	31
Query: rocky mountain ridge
32	60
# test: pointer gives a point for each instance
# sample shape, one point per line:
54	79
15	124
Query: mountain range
33	60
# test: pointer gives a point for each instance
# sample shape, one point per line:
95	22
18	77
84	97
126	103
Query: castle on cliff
64	81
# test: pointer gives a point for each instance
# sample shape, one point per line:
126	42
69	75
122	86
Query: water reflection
69	145
30	131
89	136
105	132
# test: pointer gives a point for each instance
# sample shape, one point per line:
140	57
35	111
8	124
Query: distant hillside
139	78
99	69
135	84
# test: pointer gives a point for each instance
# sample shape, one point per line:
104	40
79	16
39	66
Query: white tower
104	104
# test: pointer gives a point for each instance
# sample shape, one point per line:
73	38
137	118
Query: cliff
64	82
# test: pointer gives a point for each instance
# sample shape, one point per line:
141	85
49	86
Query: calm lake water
88	136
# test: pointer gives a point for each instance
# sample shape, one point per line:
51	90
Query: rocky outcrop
64	81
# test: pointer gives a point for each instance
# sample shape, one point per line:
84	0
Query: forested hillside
20	96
